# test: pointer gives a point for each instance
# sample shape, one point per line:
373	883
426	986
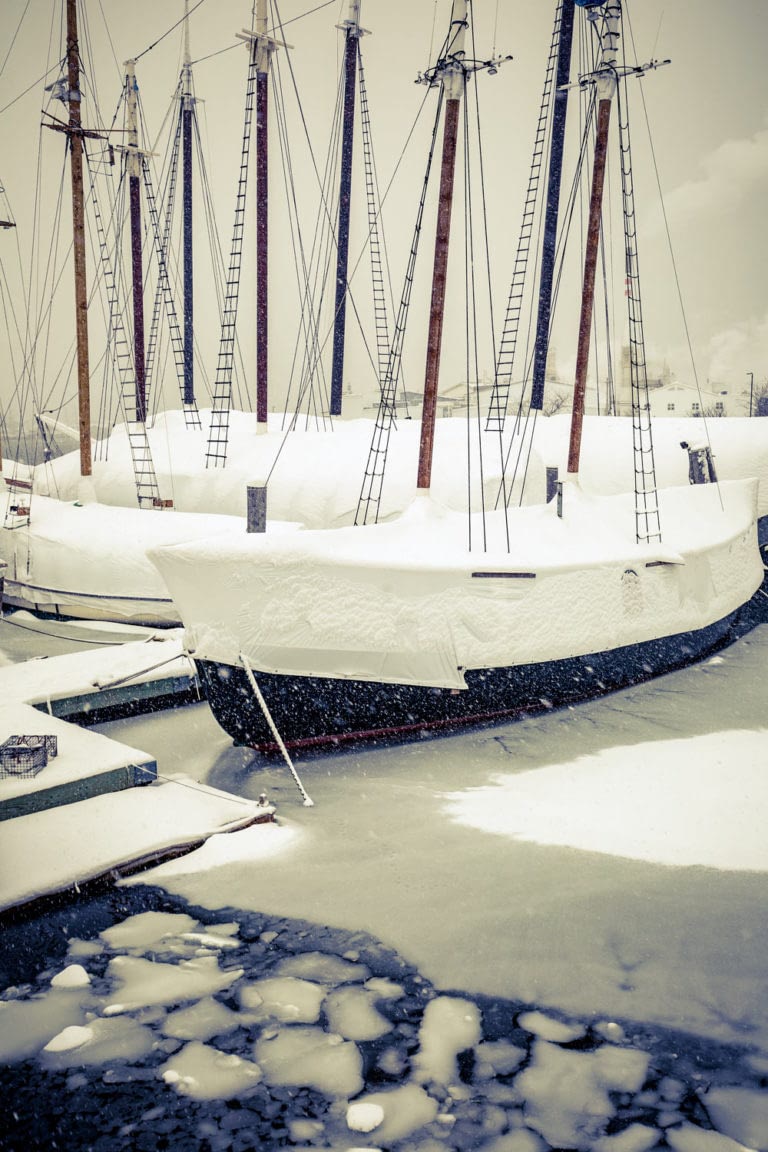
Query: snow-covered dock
87	764
98	808
151	669
114	835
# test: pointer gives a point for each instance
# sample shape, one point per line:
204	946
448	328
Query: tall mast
552	210
352	33
74	134
133	164
263	47
187	106
452	77
605	79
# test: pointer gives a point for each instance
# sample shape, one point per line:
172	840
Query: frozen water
351	1013
201	1021
405	1109
497	1058
107	1041
708	815
322	968
566	1094
204	1073
636	1138
689	1138
310	1057
26	1025
283	998
146	930
384	989
73	976
141	982
550	1029
520	1141
449	1026
363	1116
741	1114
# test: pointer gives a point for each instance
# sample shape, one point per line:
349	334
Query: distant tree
711	411
759	399
555	403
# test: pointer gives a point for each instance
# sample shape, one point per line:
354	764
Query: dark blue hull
320	711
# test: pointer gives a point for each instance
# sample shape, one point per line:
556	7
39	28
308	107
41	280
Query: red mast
453	79
75	136
606	89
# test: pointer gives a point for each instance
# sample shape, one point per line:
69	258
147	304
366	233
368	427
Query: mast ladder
499	402
218	435
164	294
647	522
369	502
147	489
377	274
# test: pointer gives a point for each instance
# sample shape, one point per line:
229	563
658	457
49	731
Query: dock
82	808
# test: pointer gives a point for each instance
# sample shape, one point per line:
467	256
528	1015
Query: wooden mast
453	82
263	47
133	163
552	211
605	80
187	107
75	137
352	32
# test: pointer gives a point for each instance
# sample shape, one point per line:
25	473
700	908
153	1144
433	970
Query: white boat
438	618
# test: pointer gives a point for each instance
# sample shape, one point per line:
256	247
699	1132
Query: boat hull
316	711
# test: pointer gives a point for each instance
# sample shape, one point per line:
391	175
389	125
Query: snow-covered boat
438	618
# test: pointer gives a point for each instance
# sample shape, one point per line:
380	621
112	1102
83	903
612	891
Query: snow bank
698	801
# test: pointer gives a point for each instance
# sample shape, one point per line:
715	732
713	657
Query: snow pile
315	474
699	801
402	602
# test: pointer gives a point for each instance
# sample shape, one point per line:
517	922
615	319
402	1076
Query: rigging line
245	803
678	288
186	16
109	38
319	260
307	328
13	40
432	35
54	67
472	288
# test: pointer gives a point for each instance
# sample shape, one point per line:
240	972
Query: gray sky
707	112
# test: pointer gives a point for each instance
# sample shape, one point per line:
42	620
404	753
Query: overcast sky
707	112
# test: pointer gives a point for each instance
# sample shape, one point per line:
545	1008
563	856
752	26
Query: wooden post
263	50
75	138
187	105
437	306
549	245
352	30
453	81
606	86
137	274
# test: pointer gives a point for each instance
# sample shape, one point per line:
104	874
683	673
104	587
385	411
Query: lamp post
751	391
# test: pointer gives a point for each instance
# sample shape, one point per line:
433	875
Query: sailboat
72	556
438	618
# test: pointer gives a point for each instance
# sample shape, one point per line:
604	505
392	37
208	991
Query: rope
273	727
155	775
173	26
